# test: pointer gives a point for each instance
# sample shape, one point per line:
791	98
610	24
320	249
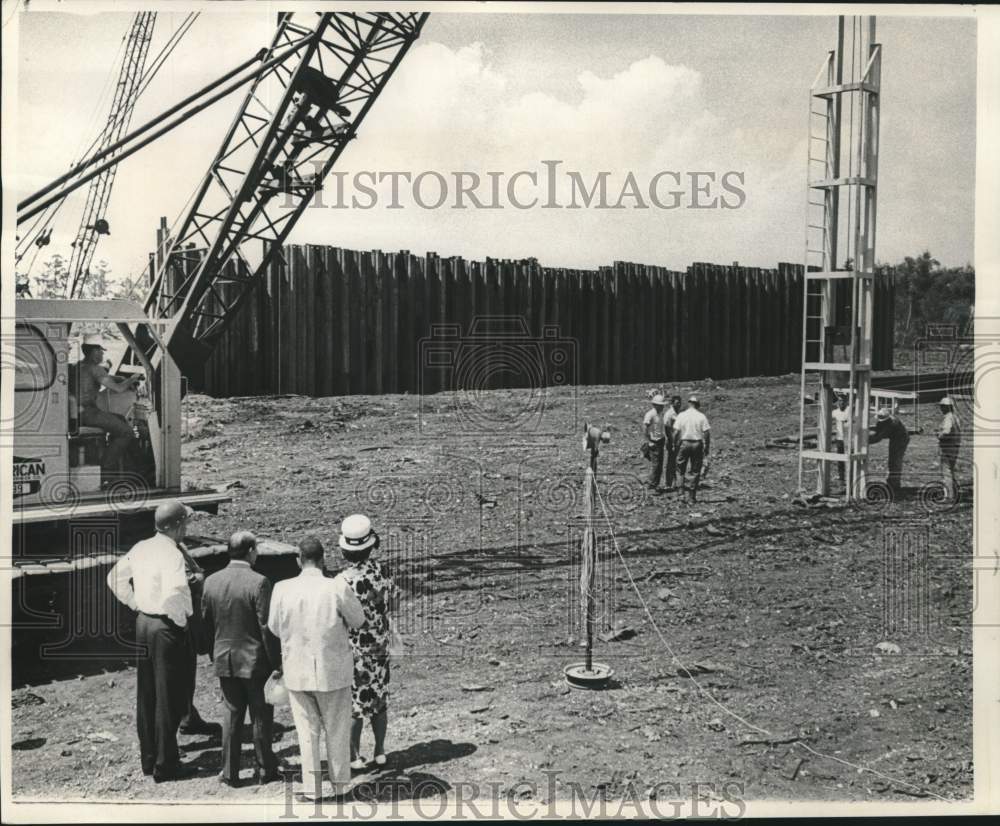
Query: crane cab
57	473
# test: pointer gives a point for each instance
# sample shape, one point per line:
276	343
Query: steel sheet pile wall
335	322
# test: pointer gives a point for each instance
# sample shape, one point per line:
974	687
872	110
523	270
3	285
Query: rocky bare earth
799	621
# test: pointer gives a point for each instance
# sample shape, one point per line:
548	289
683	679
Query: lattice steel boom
295	120
93	223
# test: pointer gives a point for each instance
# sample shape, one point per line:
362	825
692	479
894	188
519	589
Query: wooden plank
408	348
307	297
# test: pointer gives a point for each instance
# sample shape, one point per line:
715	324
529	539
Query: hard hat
693	398
946	402
883	414
356	533
171	513
93	340
658	399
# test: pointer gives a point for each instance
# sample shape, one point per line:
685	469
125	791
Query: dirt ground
776	610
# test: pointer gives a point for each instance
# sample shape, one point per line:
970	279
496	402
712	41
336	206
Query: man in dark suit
235	605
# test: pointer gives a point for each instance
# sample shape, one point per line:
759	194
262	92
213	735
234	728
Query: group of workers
678	441
889	427
327	638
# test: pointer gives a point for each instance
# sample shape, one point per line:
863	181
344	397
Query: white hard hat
693	398
946	402
93	340
356	533
658	399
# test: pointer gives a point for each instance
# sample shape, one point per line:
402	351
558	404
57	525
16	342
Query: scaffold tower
840	260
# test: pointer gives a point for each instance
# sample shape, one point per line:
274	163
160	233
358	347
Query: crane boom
295	121
93	222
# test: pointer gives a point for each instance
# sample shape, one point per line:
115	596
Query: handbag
275	693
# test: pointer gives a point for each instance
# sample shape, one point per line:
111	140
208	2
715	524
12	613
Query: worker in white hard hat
90	376
889	426
654	434
693	438
370	643
949	436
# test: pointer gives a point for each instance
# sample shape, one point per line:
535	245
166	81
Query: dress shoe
180	772
202	727
225	781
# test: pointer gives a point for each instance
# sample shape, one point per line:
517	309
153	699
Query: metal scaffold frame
837	321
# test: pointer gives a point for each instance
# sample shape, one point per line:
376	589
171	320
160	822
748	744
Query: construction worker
840	421
668	429
949	437
89	376
693	440
890	426
652	424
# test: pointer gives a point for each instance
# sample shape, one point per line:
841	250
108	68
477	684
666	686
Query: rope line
720	704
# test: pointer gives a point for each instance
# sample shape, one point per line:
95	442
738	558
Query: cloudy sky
502	93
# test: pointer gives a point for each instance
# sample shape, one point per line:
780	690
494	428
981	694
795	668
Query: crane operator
91	376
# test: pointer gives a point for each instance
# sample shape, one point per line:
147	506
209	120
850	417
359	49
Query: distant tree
927	293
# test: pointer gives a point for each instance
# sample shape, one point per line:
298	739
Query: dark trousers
656	462
191	716
240	694
838	445
671	463
897	447
119	432
690	454
162	694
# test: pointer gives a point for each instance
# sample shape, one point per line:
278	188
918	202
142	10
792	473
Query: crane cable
46	218
124	114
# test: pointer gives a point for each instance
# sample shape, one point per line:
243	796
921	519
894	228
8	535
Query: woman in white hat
370	643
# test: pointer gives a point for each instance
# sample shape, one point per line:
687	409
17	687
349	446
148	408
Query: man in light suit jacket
310	614
235	608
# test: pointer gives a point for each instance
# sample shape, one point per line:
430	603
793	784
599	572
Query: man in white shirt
840	416
949	436
652	425
693	439
310	614
151	579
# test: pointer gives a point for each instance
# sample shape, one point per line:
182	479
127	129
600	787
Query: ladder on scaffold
840	258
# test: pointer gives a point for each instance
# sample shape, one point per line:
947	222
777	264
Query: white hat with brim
658	399
356	533
946	402
93	340
693	398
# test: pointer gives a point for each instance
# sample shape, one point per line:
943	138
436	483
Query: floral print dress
370	643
